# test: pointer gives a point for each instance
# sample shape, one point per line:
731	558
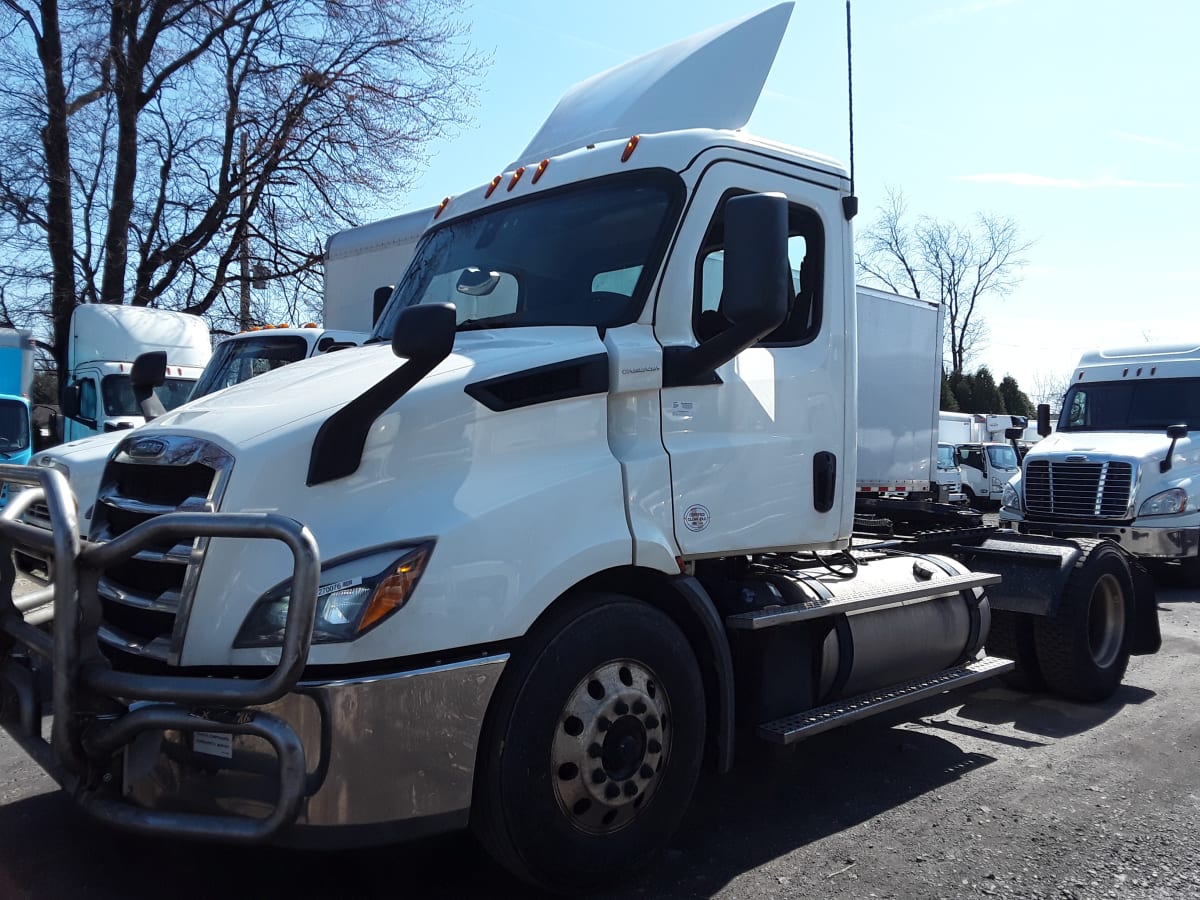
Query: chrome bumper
1171	542
379	751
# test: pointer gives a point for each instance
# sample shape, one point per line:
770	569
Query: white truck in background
235	359
362	265
105	339
526	568
1123	463
899	455
986	451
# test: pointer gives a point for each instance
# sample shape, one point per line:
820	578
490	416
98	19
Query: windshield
945	457
236	361
584	255
117	392
14	426
1132	405
1002	456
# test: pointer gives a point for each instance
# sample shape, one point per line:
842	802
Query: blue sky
1078	118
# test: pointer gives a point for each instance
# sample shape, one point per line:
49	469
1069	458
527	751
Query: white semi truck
1122	463
986	451
527	568
105	339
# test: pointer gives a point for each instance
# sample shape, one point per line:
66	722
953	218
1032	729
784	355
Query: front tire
592	746
1083	649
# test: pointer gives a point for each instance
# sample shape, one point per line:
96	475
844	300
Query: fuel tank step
855	600
799	726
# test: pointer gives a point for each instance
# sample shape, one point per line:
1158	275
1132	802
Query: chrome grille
1089	490
145	599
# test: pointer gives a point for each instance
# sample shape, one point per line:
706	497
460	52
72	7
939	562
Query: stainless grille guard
85	736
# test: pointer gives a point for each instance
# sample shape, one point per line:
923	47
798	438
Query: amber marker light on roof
492	187
309	325
516	177
443	205
630	146
538	172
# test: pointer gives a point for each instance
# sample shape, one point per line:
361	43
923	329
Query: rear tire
1083	649
592	746
1011	636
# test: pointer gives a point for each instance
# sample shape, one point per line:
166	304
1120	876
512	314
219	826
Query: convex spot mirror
477	283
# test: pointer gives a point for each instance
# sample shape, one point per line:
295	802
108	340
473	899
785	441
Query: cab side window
87	399
806	247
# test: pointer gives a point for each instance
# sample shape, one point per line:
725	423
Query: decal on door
696	518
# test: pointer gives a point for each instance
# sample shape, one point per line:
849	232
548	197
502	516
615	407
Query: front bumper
1170	541
233	759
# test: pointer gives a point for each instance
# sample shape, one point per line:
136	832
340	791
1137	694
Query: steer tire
1011	636
603	698
1083	648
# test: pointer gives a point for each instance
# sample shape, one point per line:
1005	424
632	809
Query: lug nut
622	708
654	746
604	724
595	751
638	708
631	789
645	771
598	776
612	792
651	722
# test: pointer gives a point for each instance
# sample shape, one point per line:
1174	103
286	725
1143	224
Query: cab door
759	456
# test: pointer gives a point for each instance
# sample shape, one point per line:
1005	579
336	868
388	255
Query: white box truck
1122	463
525	569
105	339
899	454
362	265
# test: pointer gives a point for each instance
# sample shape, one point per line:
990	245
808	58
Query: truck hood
1135	446
289	394
96	447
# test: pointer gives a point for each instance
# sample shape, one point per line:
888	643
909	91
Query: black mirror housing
379	301
1176	432
149	369
755	290
1043	419
425	332
68	400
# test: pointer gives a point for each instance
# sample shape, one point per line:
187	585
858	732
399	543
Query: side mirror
379	301
755	289
1013	434
1174	432
424	333
1043	419
148	372
68	400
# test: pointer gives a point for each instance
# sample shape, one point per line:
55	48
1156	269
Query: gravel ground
983	792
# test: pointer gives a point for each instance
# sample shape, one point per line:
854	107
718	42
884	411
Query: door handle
824	480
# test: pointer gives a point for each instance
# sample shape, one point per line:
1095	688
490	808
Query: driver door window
87	399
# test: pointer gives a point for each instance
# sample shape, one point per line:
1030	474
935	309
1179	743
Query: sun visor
709	80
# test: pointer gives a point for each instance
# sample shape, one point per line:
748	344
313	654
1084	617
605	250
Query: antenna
850	204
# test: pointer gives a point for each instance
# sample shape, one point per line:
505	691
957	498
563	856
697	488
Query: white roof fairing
710	80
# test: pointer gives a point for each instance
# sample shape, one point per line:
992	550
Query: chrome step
771	616
793	728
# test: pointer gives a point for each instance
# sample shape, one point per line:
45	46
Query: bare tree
187	146
958	266
1050	387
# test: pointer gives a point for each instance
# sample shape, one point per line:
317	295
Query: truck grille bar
1088	490
144	599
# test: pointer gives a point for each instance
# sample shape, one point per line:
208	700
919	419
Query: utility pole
244	252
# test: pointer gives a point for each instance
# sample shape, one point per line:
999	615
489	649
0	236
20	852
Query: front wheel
1083	649
592	746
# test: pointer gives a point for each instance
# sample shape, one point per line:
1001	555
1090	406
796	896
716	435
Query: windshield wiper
486	322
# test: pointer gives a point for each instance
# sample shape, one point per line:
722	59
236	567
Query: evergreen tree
1016	403
985	395
949	403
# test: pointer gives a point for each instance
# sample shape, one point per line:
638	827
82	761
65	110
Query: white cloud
1149	140
1027	179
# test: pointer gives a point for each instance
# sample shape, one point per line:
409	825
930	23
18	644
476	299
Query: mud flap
1146	637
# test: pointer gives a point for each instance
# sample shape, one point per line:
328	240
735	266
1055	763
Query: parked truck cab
104	341
1123	463
986	468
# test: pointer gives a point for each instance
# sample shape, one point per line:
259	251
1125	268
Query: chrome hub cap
1106	621
609	747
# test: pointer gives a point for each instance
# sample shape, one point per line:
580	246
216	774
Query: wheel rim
1106	620
610	746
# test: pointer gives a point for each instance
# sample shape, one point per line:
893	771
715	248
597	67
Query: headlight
1167	503
1011	497
349	603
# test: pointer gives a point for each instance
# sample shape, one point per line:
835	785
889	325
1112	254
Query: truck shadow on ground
774	802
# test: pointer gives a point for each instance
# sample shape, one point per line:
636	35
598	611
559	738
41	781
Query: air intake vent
557	381
1078	490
